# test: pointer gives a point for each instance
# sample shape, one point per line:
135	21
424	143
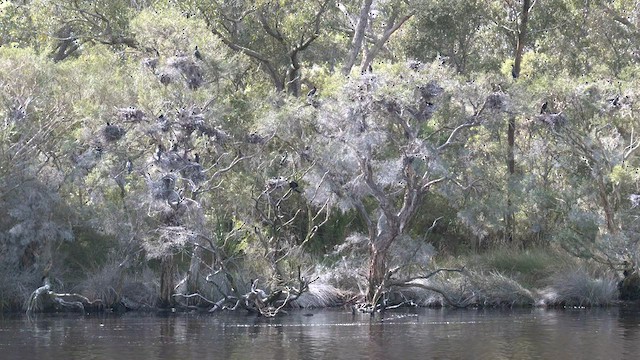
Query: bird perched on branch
159	152
196	54
294	186
312	92
545	108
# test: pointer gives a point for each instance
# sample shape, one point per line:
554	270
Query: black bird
615	101
197	158
312	92
294	186
196	53
164	123
545	107
159	152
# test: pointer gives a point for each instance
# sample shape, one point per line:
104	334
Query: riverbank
500	278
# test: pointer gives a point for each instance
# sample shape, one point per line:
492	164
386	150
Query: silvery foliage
358	126
33	216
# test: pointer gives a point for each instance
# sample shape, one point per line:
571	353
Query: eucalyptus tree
371	25
66	27
460	33
591	128
274	34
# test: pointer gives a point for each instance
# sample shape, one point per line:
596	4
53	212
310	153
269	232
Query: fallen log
44	298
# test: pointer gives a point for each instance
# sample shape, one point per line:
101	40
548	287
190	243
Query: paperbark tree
379	152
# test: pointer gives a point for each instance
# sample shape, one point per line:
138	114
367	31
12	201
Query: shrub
577	287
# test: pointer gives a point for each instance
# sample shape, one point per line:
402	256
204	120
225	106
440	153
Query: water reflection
329	334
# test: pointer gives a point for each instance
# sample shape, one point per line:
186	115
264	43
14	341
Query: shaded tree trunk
377	271
167	283
193	277
510	221
609	213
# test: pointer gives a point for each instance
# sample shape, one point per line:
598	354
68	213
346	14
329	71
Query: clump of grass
320	296
139	290
103	284
578	287
16	287
469	288
497	289
528	266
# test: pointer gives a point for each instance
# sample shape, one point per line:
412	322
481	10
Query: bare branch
455	132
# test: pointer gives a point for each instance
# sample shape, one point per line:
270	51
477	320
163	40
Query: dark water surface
609	334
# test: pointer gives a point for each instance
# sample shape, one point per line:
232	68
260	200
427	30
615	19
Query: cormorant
159	152
197	54
545	107
197	158
294	186
174	147
129	166
312	92
615	101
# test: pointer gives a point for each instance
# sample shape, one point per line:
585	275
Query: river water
608	333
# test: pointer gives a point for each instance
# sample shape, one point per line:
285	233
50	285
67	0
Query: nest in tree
163	123
429	91
254	138
112	133
130	114
151	62
190	119
165	78
162	187
415	65
193	171
496	101
553	120
17	113
172	160
189	69
218	135
276	183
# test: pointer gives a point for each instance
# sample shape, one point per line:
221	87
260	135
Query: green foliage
456	32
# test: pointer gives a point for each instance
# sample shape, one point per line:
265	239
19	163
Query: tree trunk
510	222
293	76
193	276
377	272
358	36
167	283
609	213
